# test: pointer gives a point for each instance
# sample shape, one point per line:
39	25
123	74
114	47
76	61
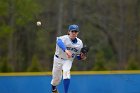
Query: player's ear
68	32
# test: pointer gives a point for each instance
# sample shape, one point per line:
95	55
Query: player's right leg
56	74
66	75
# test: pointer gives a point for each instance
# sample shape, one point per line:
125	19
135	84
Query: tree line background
111	28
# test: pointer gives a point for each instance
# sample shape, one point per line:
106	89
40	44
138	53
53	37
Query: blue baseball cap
73	28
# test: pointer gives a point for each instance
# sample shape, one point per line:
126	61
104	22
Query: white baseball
38	23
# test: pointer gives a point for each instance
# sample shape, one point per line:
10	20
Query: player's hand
68	53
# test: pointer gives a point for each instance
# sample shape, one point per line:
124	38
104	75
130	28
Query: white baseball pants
60	65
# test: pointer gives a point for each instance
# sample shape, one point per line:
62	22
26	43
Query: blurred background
111	28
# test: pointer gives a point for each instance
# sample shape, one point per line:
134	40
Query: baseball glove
84	52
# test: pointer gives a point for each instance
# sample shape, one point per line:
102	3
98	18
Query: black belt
59	57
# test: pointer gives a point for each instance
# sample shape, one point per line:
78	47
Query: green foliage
132	64
110	30
110	58
15	36
3	7
26	11
100	63
5	66
5	31
35	66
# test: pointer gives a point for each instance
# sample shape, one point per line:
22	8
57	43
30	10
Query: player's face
73	34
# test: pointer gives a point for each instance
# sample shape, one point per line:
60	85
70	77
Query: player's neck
72	38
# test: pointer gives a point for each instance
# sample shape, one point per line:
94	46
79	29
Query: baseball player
68	47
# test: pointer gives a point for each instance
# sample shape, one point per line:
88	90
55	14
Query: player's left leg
66	83
66	75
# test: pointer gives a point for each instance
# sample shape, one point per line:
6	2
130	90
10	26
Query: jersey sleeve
61	43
